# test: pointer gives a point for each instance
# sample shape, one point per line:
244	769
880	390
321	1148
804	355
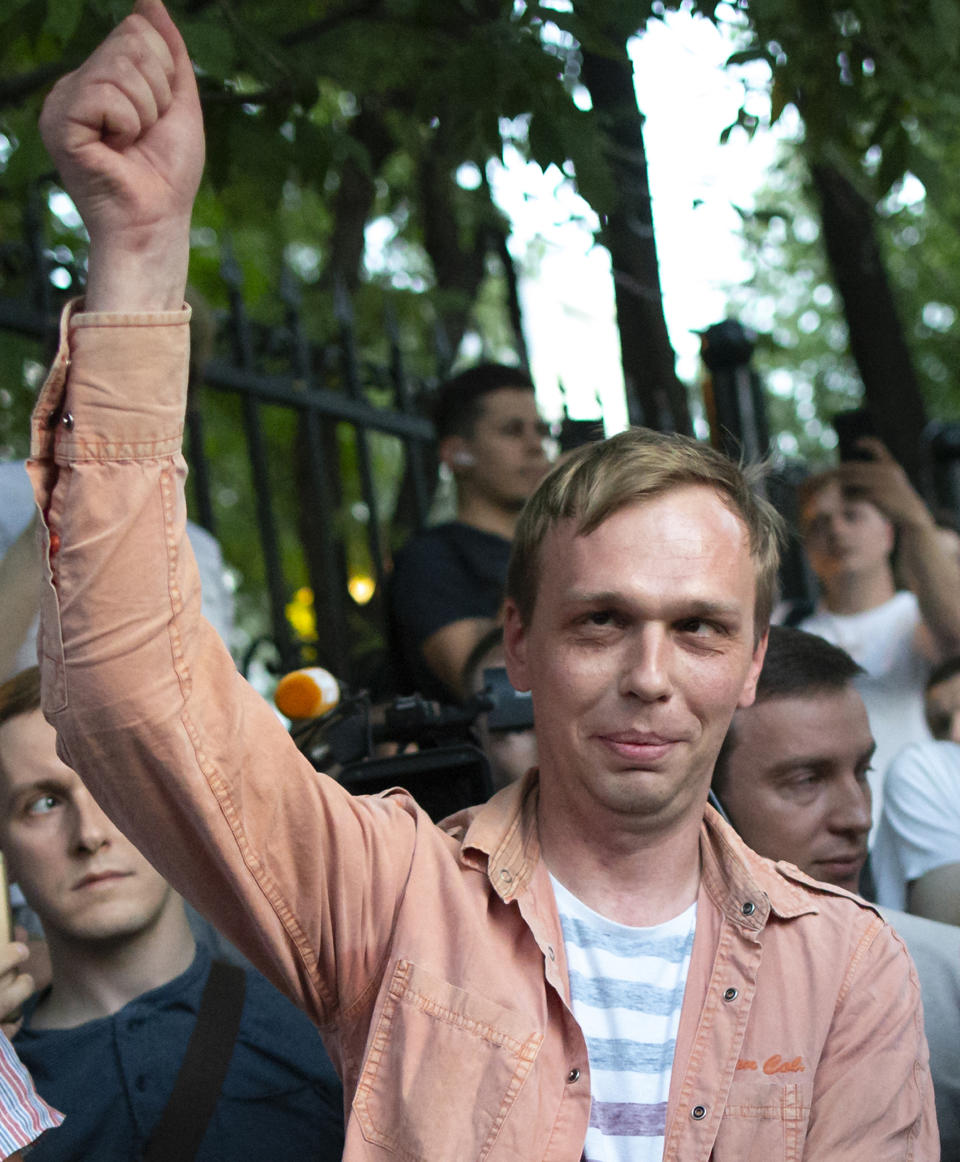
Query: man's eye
803	782
697	627
42	804
601	619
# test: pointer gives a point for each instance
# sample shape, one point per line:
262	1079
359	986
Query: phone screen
850	427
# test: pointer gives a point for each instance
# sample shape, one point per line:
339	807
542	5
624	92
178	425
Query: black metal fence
322	387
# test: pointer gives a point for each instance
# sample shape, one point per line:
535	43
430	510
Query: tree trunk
457	254
655	396
877	341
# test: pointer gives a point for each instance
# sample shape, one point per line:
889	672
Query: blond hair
637	465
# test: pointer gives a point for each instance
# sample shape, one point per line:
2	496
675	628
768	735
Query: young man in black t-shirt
447	584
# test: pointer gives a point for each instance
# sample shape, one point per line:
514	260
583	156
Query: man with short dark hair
792	777
590	965
792	773
447	585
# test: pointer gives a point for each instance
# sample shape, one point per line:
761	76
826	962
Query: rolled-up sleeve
191	763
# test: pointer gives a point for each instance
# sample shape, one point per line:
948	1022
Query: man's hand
884	483
126	133
15	985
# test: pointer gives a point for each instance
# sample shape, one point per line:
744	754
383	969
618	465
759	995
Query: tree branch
317	29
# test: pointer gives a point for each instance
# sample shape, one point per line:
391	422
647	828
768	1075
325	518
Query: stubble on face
639	649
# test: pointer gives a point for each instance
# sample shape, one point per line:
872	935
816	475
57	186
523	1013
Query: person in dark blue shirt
106	1039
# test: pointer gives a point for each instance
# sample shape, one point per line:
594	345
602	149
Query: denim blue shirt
111	1077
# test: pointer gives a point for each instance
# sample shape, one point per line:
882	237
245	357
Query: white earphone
463	459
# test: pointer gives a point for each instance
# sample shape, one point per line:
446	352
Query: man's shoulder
791	892
450	537
822	894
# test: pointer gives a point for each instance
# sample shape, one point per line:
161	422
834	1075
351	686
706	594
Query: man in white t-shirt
916	854
851	519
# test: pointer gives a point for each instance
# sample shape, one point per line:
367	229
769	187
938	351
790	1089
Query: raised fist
126	133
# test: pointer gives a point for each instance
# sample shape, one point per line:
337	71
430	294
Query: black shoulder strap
179	1131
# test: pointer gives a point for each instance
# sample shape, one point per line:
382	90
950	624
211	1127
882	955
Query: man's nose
91	828
647	670
534	440
835	525
851	808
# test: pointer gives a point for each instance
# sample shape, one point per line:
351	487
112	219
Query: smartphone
6	916
850	427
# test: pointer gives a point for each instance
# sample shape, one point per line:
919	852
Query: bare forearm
147	273
934	576
936	895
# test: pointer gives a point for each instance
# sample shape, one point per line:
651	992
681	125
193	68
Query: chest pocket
764	1120
443	1070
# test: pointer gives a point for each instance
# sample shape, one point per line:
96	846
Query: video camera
445	773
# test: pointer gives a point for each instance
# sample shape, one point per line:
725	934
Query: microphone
307	693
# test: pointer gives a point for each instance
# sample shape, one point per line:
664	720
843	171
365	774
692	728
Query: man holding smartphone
852	519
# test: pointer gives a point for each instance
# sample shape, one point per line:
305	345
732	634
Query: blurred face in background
795	782
844	535
504	458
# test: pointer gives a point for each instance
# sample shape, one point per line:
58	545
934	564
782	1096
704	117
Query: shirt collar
500	838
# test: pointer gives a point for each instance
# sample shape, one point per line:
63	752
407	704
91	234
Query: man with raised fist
590	965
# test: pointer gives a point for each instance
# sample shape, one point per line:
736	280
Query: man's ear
749	691
515	646
454	451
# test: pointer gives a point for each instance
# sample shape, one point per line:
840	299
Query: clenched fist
126	133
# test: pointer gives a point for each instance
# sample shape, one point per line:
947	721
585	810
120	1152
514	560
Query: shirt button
748	908
698	1113
730	994
67	421
572	1076
550	952
506	876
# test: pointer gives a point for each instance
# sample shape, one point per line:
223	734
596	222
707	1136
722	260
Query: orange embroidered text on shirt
774	1064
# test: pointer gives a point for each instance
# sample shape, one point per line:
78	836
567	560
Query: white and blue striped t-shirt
627	986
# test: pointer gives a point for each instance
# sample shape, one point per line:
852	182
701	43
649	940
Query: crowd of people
713	906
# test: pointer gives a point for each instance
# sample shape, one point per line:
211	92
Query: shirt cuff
116	389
